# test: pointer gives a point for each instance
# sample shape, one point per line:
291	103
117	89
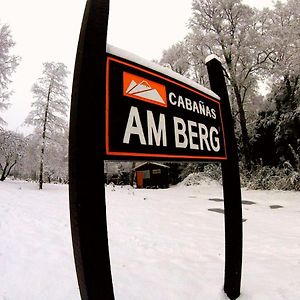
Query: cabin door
139	179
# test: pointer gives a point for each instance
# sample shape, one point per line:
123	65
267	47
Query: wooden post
231	186
86	157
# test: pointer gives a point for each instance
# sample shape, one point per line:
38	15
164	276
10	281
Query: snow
35	243
164	244
211	57
165	71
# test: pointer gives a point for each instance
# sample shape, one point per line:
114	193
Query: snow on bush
272	178
199	178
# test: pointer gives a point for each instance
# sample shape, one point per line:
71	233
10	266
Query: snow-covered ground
164	244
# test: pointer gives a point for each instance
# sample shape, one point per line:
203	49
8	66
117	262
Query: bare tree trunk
132	173
242	116
6	173
41	180
243	124
3	173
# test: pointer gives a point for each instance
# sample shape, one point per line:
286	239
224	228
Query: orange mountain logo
143	89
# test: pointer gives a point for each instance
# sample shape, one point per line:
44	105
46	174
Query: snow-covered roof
151	163
211	57
163	70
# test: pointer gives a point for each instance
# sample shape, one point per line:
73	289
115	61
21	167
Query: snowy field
164	244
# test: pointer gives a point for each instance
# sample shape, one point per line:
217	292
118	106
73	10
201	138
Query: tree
236	33
176	58
277	138
27	168
12	149
184	57
277	128
56	158
50	107
283	26
8	64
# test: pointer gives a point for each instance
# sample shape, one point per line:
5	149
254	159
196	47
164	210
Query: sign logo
143	89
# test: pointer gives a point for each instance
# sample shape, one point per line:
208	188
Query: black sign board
152	115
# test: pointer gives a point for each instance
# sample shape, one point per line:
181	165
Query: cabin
152	175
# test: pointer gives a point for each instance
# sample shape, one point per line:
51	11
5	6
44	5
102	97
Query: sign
124	107
150	114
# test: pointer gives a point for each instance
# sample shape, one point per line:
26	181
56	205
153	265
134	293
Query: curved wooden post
86	157
231	186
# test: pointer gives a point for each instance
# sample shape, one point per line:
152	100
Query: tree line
257	48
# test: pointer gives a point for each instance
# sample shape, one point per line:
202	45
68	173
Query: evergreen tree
277	137
50	108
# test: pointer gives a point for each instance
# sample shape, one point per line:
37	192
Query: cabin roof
151	163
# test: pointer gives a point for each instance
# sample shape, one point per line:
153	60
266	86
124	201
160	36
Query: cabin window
156	171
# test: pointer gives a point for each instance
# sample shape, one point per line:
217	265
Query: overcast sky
49	30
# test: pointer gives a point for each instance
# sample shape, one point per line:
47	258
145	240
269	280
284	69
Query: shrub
275	178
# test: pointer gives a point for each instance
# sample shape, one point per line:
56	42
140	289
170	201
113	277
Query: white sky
49	31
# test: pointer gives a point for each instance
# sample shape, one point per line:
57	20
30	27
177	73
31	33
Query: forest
259	50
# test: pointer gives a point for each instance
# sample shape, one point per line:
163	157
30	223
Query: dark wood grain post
86	157
231	186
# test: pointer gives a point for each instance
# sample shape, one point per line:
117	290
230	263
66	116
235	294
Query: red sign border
154	155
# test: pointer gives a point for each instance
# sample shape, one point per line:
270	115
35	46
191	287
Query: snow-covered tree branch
12	149
8	64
